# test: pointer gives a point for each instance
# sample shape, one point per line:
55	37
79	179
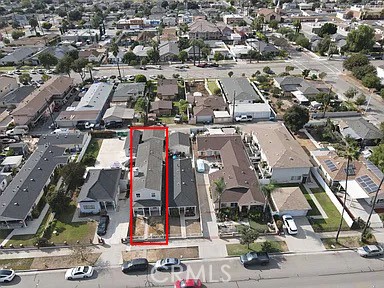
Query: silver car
370	251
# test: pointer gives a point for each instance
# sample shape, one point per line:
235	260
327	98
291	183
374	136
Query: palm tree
115	51
182	106
350	152
219	188
90	67
194	44
381	167
267	191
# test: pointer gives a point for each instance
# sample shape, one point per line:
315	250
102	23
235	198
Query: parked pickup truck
254	258
243	118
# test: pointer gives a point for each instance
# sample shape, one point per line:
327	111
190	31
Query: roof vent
39	168
25	190
290	158
16	204
183	183
45	159
32	179
246	182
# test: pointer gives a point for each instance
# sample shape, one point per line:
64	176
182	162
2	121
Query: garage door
295	213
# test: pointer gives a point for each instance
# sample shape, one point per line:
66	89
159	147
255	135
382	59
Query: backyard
267	246
333	220
92	151
212	85
314	211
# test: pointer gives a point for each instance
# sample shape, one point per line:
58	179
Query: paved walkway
318	206
183	227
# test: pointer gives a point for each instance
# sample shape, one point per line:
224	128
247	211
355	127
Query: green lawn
274	246
92	151
28	240
314	211
71	232
167	119
212	85
17	264
333	220
346	242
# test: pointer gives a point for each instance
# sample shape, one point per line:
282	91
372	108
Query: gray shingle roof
362	128
152	133
18	95
100	185
18	55
127	90
240	87
178	138
182	184
136	137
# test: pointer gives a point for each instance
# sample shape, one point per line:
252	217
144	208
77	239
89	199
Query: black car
113	124
103	225
254	258
139	264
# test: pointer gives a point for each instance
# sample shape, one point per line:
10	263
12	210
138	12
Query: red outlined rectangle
147	243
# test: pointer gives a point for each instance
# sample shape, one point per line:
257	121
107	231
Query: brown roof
266	11
290	198
167	87
202	111
242	185
214	102
278	145
5	80
87	53
36	101
203	26
161	104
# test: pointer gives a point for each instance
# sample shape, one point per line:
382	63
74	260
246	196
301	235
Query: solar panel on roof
367	184
330	165
374	169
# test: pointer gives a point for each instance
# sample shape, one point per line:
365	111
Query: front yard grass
154	254
16	264
346	242
92	151
167	120
212	85
193	227
314	211
333	220
271	247
72	231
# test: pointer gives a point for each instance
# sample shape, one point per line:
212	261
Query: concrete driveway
111	151
306	240
118	224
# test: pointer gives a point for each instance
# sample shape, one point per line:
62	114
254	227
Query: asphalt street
336	269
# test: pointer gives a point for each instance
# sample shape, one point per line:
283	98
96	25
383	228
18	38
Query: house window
223	205
294	178
137	195
233	205
380	201
89	207
153	195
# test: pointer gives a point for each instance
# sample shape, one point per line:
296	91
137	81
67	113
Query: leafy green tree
115	51
96	20
78	66
351	152
230	74
350	93
182	106
141	104
33	22
273	24
361	71
16	34
377	156
267	191
74	54
355	60
302	41
323	46
218	56
217	91
45	77
164	4
382	93
258	23
75	15
296	117
46	25
153	55
72	174
371	81
289	68
305	73
327	29
361	99
361	39
219	189
58	200
183	56
25	78
64	65
140	78
325	99
297	24
248	236
183	27
47	59
128	57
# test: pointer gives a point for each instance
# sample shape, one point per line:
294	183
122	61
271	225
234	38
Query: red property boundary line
148	243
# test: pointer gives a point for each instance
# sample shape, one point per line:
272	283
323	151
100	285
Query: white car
80	272
370	251
6	275
290	224
153	77
33	71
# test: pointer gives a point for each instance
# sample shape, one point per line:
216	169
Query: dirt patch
193	227
155	254
304	142
17	264
197	86
57	262
156	225
138	227
174	226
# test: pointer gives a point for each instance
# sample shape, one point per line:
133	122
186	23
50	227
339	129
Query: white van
61	131
200	166
18	130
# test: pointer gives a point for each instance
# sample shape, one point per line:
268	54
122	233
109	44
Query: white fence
331	196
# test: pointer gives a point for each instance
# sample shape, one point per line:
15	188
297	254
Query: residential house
298	87
179	143
232	19
13	98
264	48
18	56
203	29
270	14
42	100
167	89
182	188
90	108
239	90
30	183
283	160
112	59
169	51
204	108
81	35
92	55
161	107
7	85
147	180
100	190
20	148
361	130
57	51
290	200
126	92
12	161
242	189
141	51
119	114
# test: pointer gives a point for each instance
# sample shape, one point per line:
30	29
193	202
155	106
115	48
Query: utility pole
50	113
233	106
